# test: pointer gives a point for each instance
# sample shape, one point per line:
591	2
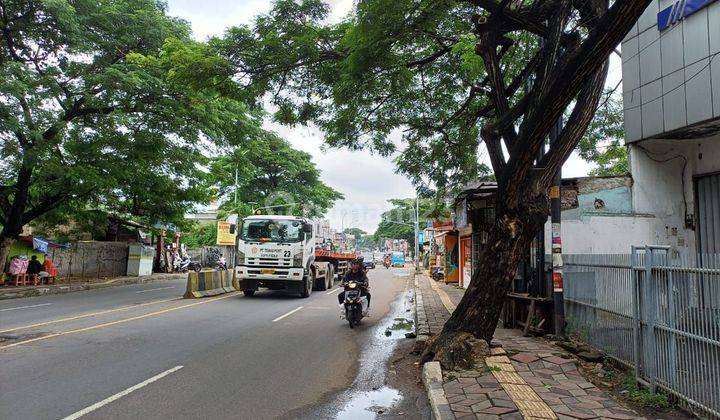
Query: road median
210	283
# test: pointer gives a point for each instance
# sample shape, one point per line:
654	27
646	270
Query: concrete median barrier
209	283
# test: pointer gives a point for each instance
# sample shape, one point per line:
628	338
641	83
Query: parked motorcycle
438	273
356	305
184	264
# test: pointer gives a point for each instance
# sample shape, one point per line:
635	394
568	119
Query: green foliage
603	143
199	235
362	239
108	106
394	65
643	396
399	222
271	173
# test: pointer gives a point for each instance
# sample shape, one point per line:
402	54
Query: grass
643	396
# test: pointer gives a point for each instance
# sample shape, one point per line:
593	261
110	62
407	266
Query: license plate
267	271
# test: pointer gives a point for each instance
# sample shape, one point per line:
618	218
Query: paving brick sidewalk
527	377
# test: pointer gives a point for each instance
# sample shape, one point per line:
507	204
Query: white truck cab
278	252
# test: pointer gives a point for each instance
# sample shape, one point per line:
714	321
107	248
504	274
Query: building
671	91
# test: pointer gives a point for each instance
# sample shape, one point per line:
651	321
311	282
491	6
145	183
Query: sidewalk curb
431	372
421	322
432	378
69	288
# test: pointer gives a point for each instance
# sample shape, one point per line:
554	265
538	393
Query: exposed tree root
456	350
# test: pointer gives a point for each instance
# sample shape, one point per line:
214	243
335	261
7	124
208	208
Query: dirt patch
405	375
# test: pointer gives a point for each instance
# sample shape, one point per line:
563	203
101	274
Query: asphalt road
142	351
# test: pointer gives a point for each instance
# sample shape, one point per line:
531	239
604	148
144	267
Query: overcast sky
366	180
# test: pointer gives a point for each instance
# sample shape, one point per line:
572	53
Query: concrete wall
91	259
606	234
671	78
664	189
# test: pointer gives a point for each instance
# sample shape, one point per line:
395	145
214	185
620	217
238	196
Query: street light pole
417	232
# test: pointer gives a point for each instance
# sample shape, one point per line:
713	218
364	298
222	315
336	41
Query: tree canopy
603	143
271	173
107	106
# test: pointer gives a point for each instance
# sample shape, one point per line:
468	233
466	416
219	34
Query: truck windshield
267	230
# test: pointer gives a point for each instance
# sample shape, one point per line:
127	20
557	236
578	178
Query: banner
224	237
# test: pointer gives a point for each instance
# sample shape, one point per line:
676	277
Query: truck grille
271	262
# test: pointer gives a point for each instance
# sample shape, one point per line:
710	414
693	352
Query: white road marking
334	291
157	288
121	394
25	307
287	314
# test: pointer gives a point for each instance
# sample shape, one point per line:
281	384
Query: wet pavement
369	397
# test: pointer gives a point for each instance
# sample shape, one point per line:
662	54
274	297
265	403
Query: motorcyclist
358	275
361	260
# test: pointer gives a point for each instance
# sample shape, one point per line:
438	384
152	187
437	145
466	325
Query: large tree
448	74
106	106
271	173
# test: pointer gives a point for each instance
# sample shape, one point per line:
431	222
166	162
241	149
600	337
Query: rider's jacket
358	276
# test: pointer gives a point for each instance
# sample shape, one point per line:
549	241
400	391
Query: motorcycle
386	263
184	264
220	264
438	273
356	305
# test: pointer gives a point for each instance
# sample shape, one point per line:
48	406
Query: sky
366	180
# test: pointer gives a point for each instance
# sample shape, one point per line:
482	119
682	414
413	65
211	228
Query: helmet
361	258
356	261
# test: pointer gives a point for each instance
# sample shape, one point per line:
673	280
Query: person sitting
34	266
49	269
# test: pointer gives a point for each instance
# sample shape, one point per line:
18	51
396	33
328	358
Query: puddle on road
368	405
368	396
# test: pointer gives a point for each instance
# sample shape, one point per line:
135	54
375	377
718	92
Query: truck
278	253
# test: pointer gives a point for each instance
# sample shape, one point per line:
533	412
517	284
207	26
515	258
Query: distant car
368	264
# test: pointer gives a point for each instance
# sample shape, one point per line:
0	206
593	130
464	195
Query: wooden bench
533	303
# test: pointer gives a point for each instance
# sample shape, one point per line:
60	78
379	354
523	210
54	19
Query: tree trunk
511	234
5	244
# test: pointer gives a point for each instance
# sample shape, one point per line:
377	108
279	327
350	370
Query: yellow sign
555	191
224	237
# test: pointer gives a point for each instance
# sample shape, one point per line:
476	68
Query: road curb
432	378
431	371
69	288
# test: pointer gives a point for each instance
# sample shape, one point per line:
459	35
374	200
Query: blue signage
679	11
421	237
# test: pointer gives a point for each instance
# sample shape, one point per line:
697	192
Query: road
142	351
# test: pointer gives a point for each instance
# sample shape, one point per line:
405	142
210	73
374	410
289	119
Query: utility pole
557	262
237	219
417	232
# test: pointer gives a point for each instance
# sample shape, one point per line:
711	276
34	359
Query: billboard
224	237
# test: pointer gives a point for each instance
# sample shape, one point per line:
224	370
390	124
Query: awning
41	244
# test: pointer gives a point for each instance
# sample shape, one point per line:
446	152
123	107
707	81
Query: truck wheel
248	293
330	277
322	283
309	283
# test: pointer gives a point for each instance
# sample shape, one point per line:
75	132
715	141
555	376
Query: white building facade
671	92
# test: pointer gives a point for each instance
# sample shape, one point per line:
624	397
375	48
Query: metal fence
655	311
